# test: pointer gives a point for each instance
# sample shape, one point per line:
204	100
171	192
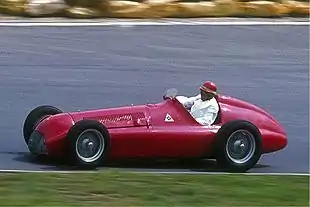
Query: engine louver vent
121	120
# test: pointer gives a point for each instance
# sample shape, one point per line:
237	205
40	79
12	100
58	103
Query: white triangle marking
168	118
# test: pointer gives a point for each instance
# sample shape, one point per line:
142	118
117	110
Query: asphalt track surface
97	67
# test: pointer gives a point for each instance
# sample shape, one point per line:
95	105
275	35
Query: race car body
241	133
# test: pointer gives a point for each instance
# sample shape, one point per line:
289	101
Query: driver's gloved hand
188	106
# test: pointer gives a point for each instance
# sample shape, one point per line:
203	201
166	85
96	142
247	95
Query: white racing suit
205	112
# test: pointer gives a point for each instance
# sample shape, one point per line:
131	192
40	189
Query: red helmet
209	87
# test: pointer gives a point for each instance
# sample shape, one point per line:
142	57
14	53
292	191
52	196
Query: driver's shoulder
214	102
197	97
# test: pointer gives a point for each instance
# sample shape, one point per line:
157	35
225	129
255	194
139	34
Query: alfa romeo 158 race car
241	133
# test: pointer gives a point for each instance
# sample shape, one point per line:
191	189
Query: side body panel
156	135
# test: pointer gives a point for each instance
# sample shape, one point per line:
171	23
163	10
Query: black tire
222	138
73	135
35	117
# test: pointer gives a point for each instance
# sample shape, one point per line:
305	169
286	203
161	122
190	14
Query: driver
203	107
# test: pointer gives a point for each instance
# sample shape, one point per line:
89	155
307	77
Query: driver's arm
187	101
183	99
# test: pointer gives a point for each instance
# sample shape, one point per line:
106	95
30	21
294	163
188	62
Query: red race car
241	133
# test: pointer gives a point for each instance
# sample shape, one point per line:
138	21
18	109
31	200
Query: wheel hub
240	146
89	145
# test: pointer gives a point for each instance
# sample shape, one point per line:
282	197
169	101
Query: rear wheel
35	117
238	146
88	142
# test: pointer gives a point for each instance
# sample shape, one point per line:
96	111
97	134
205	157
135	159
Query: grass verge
117	188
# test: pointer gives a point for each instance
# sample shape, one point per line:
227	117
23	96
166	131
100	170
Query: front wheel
88	142
238	146
35	116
